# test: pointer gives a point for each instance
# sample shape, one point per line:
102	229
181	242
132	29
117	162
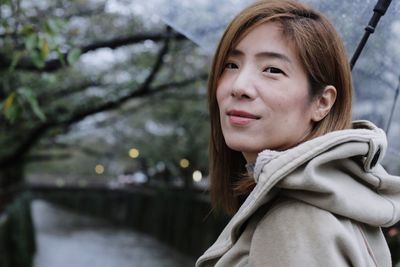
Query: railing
180	218
17	242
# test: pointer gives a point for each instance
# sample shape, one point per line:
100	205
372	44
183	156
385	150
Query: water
66	239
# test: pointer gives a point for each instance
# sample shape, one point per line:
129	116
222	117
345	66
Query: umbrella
376	75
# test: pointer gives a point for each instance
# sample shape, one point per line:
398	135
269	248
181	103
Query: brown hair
320	50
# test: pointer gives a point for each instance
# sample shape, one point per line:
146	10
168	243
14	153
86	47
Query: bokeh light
99	169
184	163
134	153
197	176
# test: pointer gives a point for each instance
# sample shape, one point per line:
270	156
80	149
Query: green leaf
26	93
44	49
60	23
29	97
54	26
31	41
50	27
16	57
37	110
73	55
5	2
61	56
12	113
37	59
28	29
49	78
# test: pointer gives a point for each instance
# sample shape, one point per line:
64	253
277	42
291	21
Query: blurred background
104	126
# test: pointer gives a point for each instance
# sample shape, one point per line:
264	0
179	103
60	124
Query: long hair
321	52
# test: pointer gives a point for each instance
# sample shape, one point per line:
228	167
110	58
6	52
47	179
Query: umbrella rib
396	96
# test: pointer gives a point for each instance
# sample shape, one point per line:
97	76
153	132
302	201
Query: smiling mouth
242	114
241	118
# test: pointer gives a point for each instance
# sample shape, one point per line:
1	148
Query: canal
65	238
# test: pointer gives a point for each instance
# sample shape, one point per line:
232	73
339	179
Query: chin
243	147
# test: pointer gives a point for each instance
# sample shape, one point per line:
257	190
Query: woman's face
263	94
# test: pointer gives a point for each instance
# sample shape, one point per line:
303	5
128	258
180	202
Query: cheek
298	105
302	109
221	92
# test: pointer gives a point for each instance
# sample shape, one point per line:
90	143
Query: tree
50	81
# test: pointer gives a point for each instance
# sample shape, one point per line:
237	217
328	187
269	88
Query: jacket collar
271	167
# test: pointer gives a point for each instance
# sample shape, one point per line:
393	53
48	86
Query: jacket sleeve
293	233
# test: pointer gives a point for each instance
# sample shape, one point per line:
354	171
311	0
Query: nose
243	85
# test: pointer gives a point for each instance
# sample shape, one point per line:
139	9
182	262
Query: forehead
268	41
267	35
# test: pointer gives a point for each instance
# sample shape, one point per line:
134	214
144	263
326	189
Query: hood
339	172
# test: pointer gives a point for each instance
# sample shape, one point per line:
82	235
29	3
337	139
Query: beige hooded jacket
321	203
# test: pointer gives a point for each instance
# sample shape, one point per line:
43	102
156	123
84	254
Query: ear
323	103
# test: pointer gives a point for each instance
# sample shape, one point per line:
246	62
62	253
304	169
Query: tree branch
55	64
46	157
34	136
64	92
86	150
44	14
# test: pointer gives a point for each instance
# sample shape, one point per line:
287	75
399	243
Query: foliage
66	64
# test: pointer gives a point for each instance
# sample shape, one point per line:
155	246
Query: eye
273	70
230	65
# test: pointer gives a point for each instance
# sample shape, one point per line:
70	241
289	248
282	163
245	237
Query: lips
240	117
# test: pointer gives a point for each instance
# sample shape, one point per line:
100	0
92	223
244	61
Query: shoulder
288	211
293	232
291	219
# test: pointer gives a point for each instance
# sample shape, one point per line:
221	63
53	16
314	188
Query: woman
303	182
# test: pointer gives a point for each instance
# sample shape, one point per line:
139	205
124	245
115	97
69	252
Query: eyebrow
264	54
